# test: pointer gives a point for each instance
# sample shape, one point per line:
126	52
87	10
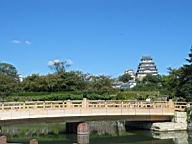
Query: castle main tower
146	66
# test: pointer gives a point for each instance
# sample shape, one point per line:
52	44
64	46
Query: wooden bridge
86	110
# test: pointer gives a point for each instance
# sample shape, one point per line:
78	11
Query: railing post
121	104
188	105
106	104
84	103
141	105
35	105
44	105
68	103
171	104
3	106
51	105
23	105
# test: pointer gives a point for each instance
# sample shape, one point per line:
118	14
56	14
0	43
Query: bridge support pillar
80	128
83	128
83	133
3	140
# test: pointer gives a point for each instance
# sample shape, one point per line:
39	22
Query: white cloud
27	42
53	62
16	41
69	62
57	61
50	63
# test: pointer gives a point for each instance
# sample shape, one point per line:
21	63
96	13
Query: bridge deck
87	110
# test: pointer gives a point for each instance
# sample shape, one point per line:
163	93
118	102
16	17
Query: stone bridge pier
79	128
178	123
3	139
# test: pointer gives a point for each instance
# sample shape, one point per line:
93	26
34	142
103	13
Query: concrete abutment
178	123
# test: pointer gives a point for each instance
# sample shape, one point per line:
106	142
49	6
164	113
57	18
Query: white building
131	73
146	66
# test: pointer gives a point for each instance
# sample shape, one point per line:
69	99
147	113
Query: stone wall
107	127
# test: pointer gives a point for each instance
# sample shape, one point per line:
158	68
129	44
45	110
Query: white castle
146	66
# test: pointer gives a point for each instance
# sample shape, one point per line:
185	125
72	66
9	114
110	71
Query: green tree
149	83
101	85
71	81
35	83
8	69
179	81
189	60
125	78
58	66
8	85
172	82
186	78
59	82
9	79
150	79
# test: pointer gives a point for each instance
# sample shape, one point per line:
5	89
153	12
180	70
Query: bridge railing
90	104
182	106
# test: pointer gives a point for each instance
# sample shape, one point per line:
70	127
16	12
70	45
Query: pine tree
186	78
190	57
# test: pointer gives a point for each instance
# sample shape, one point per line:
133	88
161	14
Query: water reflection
178	137
55	134
83	139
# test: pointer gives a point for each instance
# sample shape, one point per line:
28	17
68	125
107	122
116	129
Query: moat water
55	134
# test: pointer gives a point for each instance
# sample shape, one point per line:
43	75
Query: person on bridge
148	100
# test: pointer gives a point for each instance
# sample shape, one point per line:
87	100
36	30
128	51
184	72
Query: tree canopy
9	79
8	69
58	66
179	81
125	78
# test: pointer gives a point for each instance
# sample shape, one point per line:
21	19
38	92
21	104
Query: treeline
58	85
62	84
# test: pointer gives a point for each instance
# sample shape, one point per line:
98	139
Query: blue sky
99	36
